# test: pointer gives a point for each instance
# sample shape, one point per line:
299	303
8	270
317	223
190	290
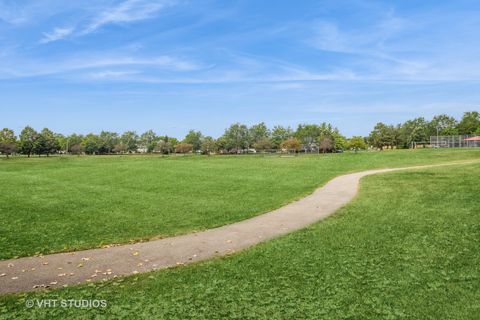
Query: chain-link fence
465	141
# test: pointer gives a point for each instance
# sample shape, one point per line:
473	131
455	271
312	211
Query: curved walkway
57	270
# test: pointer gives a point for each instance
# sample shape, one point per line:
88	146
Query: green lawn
405	248
66	203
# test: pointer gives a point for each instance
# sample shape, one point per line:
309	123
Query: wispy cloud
127	11
95	64
120	13
56	34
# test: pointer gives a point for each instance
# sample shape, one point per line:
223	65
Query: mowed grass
69	203
405	248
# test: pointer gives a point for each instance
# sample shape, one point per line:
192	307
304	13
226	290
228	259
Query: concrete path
57	270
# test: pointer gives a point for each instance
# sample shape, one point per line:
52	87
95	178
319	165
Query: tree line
238	138
419	130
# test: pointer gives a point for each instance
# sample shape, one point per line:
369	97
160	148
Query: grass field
67	203
405	248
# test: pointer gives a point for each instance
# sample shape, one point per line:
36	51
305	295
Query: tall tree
130	140
325	144
194	138
47	142
442	124
166	145
280	134
258	132
237	137
469	123
357	143
415	130
208	145
383	136
8	142
91	144
308	135
107	141
28	136
148	140
74	140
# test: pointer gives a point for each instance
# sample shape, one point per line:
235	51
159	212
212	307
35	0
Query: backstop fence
465	141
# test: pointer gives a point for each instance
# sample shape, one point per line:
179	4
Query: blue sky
174	65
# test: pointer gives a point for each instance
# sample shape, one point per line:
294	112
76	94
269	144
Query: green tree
149	140
442	124
308	135
91	144
28	136
258	132
339	141
209	145
46	143
280	134
8	142
357	143
194	138
74	140
469	123
120	148
166	145
263	144
415	130
383	136
61	141
107	141
236	137
130	140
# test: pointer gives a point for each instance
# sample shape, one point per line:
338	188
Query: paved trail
57	270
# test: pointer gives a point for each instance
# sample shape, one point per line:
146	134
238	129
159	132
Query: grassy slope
407	247
58	204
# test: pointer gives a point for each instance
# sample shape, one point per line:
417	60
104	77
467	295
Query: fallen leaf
53	282
3	275
14	278
135	253
79	265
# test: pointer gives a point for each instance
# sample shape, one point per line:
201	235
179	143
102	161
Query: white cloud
56	34
93	62
127	11
108	74
124	12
